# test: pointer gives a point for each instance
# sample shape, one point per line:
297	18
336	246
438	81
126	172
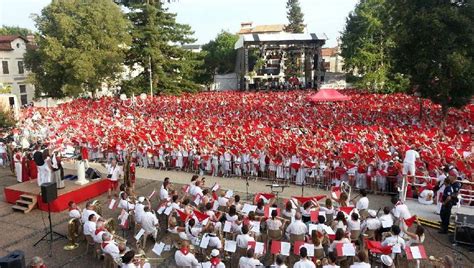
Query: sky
208	17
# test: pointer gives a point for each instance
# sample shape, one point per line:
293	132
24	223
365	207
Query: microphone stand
247	186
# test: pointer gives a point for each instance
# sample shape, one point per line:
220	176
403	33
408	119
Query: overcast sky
208	17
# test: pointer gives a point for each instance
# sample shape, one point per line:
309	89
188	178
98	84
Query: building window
17	45
24	99
22	89
5	67
21	68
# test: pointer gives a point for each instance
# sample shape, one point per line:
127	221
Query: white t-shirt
386	220
304	264
89	228
297	228
123	203
114	171
149	222
187	260
112	249
86	213
164	193
245	262
411	156
331	266
74	213
353	225
401	211
363	203
243	240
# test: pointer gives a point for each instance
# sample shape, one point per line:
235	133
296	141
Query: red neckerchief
184	250
97	231
215	261
104	244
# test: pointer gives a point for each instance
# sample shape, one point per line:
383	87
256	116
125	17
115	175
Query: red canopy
328	95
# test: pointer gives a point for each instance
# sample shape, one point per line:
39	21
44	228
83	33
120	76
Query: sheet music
123	218
248	208
227	227
259	248
415	252
310	248
348	249
255	226
396	248
158	248
229	193
112	203
140	233
328	229
230	246
161	209
205	241
168	210
285	248
215	206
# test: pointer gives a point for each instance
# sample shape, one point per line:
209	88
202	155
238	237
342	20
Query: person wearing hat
386	261
304	261
372	223
215	261
37	262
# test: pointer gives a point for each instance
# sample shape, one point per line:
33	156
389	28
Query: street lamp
133	101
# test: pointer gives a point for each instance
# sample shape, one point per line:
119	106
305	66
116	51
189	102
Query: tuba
97	206
73	234
111	226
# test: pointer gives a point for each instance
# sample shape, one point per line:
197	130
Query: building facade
13	73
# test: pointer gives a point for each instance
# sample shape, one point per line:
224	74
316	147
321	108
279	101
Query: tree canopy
295	17
435	47
80	45
157	39
14	30
219	55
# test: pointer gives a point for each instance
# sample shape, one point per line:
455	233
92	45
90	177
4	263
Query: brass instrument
141	256
73	234
111	226
97	206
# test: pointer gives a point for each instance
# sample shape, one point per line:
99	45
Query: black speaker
15	259
92	174
49	192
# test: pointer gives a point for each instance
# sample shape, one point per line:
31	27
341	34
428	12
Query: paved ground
20	231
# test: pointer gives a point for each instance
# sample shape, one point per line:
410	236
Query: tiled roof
272	28
329	51
5	41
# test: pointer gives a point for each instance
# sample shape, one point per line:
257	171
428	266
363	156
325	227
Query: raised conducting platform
71	192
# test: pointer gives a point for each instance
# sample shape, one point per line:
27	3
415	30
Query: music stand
274	188
50	234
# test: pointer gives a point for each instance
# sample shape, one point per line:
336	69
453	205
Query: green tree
295	17
435	47
157	41
366	46
80	45
14	30
219	55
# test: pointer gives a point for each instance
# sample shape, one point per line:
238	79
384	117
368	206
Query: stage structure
263	58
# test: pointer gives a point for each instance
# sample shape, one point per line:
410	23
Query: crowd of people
205	226
279	135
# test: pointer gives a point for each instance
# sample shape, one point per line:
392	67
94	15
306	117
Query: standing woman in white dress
81	171
18	168
49	168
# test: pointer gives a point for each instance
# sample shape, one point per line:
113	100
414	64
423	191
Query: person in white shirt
386	220
244	238
149	222
87	211
426	197
99	231
340	239
353	224
409	162
214	240
250	260
140	209
279	262
74	210
395	240
109	246
304	262
124	203
215	261
164	192
372	223
297	227
90	225
184	258
400	211
362	204
363	261
129	261
114	172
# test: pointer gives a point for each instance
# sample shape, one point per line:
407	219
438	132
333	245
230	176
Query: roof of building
271	28
5	41
278	38
329	51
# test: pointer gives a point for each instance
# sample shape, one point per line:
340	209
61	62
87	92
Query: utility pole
151	77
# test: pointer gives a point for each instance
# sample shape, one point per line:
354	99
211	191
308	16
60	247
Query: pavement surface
21	231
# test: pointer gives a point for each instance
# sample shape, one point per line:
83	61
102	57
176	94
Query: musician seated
149	222
87	211
250	260
395	240
74	210
109	246
372	223
426	197
297	227
244	238
214	240
124	203
99	231
90	225
139	209
184	258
